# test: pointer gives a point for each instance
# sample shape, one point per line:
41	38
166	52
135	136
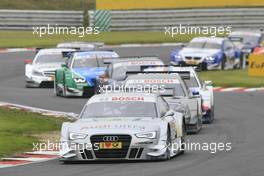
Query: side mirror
64	65
169	113
28	61
208	83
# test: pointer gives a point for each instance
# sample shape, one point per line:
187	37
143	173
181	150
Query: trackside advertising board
172	4
256	65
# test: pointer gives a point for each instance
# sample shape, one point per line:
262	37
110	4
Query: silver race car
174	91
115	73
40	72
198	87
123	126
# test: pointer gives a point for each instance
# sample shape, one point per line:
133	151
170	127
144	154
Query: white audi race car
123	126
40	71
174	90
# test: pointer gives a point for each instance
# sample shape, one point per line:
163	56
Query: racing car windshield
196	45
87	62
49	58
119	73
192	82
122	109
162	88
211	45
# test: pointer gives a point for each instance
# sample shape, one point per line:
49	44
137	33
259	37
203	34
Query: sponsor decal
127	98
256	65
110	145
161	81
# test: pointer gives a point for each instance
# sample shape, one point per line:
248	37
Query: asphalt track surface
239	120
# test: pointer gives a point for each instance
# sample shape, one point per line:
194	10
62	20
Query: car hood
120	125
47	67
193	52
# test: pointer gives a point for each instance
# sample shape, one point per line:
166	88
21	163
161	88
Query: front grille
49	73
111	153
197	58
188	58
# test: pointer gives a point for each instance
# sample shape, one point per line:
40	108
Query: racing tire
58	91
168	145
182	64
223	63
241	61
183	139
212	115
198	126
64	92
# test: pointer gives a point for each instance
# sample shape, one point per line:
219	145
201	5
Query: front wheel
56	87
168	145
223	63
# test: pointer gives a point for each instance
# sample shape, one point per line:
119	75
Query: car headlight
79	80
74	136
148	135
37	73
211	58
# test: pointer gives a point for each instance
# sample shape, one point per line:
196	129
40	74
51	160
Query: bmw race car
83	46
78	76
208	53
40	72
115	74
173	89
246	41
123	126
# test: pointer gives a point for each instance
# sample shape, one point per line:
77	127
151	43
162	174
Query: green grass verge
18	127
27	39
232	78
47	4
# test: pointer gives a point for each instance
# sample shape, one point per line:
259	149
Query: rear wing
178	66
67	53
111	60
81	46
139	57
184	75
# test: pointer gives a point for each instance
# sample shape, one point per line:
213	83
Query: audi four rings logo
110	138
